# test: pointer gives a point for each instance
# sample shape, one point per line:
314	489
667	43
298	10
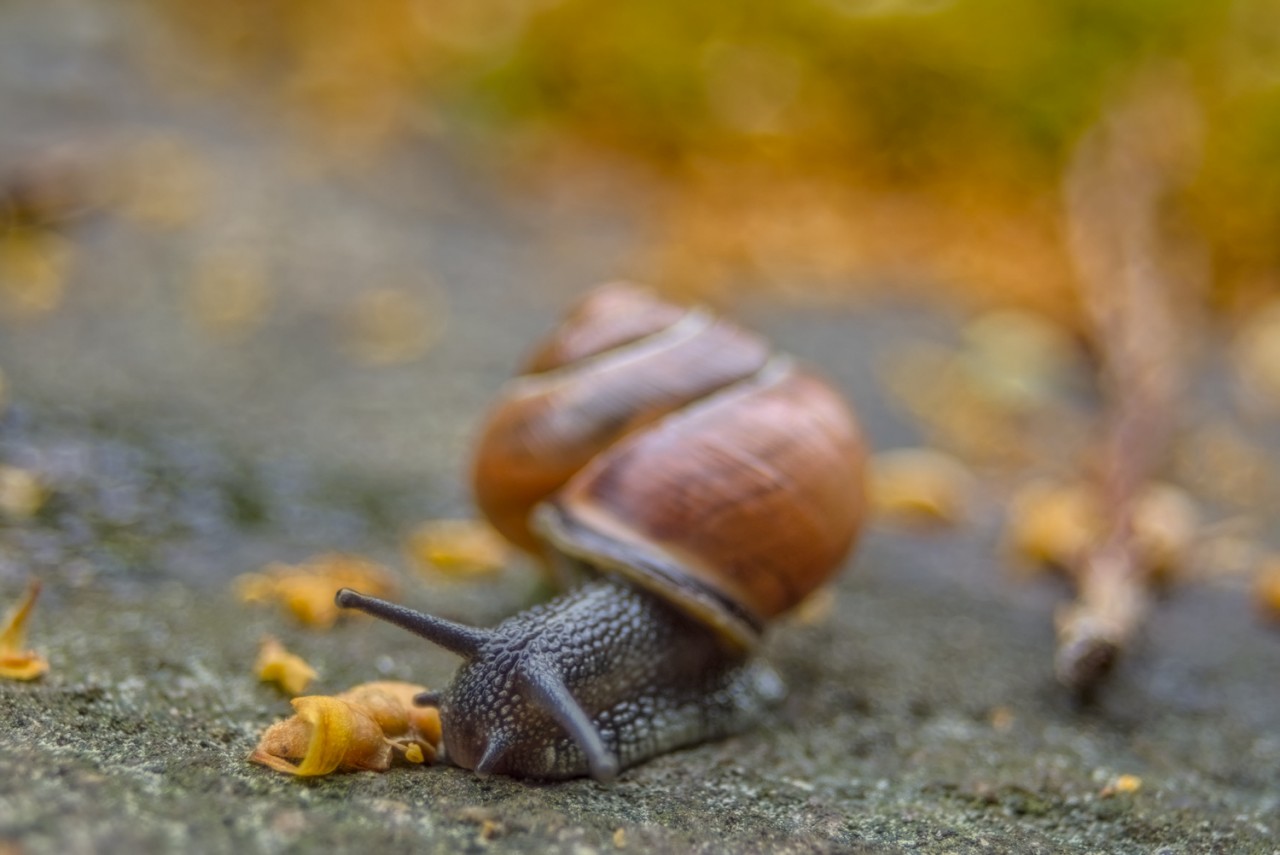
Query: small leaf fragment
16	663
34	267
1166	525
457	547
22	493
306	590
1053	524
920	486
1121	785
360	729
326	734
1267	590
392	707
287	670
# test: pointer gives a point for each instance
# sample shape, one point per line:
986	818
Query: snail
699	483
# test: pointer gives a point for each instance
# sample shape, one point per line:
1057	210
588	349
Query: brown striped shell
675	448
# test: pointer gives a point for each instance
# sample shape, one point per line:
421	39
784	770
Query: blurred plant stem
1131	275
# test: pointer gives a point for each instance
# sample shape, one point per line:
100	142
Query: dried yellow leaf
21	492
1053	524
25	665
306	590
919	485
1002	719
325	735
16	663
34	266
457	547
287	670
1166	523
361	729
1267	589
1122	785
391	704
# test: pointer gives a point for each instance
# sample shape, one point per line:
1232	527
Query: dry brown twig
1115	190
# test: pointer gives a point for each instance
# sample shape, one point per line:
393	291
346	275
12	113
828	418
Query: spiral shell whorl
674	448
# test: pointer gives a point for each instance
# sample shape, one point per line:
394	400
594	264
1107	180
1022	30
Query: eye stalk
465	641
427	699
546	688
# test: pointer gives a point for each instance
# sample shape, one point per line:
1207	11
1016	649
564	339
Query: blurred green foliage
907	84
963	99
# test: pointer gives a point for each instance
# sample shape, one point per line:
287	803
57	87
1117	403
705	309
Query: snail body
703	483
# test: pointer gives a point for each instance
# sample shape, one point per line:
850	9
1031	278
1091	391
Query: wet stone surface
137	738
922	714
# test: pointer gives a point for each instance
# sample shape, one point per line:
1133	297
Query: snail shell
674	448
